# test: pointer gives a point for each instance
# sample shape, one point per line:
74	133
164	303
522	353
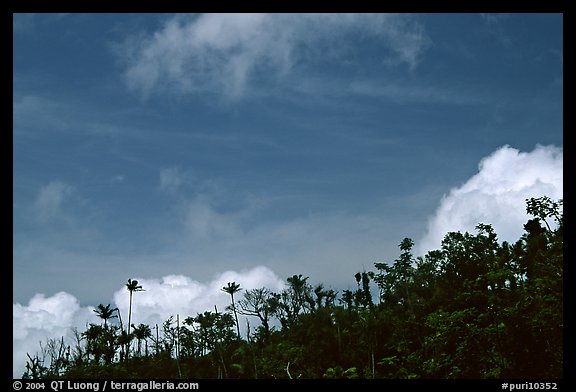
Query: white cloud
179	294
44	318
496	194
53	317
48	204
221	53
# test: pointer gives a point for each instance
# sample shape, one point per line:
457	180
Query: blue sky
148	145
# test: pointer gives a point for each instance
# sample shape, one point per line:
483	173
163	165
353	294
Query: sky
187	150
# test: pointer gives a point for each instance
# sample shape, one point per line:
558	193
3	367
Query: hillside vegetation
475	308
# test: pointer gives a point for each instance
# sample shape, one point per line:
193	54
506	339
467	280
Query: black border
124	6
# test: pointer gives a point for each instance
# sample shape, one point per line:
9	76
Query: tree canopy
474	308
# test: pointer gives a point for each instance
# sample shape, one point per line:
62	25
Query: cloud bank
220	53
55	316
179	294
42	318
496	194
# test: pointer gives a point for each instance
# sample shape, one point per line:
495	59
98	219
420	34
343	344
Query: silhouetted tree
132	286
232	288
105	312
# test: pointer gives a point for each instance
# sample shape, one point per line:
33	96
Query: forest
473	309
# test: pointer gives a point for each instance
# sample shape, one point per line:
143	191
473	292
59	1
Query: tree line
475	308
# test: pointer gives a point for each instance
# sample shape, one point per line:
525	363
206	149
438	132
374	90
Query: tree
259	303
131	286
94	346
293	300
107	338
142	332
347	298
475	308
543	208
231	288
362	296
214	335
105	313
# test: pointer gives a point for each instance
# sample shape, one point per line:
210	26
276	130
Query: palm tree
132	286
231	288
105	313
142	332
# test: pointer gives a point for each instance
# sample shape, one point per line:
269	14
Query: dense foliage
475	308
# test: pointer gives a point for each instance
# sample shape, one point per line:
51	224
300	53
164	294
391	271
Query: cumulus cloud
55	316
221	53
41	319
496	194
179	294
